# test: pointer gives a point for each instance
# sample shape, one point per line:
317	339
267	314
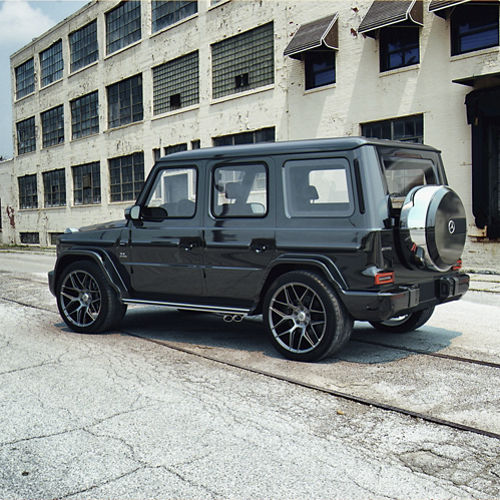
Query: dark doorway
483	113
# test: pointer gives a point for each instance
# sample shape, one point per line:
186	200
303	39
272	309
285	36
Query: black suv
311	234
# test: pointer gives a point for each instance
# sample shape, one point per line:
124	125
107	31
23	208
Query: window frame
310	74
214	191
170	79
87	40
48	179
231	139
390	34
82	118
52	67
464	11
115	96
316	164
136	184
128	36
158	23
226	66
24	69
49	117
392	122
31	140
28	193
80	170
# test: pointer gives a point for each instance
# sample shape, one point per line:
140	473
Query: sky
20	22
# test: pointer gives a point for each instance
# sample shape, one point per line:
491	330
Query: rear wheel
404	324
86	301
304	318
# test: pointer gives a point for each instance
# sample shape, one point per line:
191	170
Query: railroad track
324	390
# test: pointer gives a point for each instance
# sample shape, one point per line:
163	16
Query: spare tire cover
432	227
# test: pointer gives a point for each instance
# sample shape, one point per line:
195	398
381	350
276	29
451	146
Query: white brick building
101	95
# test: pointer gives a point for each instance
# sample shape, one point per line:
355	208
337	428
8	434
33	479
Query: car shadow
209	331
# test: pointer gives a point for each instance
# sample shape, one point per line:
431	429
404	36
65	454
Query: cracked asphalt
115	416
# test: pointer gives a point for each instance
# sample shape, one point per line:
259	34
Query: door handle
260	246
189	243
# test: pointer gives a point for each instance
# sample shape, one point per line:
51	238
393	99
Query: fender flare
102	259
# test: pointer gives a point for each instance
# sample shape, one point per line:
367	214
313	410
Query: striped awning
387	13
320	33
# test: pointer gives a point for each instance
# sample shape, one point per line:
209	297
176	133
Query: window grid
474	27
83	46
85	115
26	136
408	129
176	84
126	174
254	137
167	12
123	25
51	63
87	183
399	47
243	62
125	102
176	148
319	68
53	126
28	196
25	79
29	238
54	237
54	188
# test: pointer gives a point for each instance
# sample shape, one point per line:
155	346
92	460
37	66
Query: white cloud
20	22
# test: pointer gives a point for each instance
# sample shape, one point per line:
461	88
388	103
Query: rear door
239	230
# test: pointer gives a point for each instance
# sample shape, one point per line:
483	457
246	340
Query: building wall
361	94
7	203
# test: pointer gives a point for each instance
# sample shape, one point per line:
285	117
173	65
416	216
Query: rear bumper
380	306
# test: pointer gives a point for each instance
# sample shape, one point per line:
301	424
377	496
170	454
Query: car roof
286	147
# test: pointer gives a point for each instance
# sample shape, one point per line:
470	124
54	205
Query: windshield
405	169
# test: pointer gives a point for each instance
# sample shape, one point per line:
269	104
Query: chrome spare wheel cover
297	318
433	227
80	297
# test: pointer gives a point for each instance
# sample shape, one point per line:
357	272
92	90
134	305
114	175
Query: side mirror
133	213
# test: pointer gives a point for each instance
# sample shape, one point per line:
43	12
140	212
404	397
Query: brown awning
440	7
320	33
386	13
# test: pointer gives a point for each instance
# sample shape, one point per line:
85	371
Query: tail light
458	265
384	278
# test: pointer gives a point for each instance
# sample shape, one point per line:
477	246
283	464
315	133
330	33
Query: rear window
318	188
403	171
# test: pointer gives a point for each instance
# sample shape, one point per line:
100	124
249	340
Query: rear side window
174	191
403	173
240	191
318	188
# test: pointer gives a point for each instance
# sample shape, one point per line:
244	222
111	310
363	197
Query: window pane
126	175
125	102
53	126
84	115
51	64
26	138
168	12
83	46
399	47
87	183
474	27
240	191
318	188
123	25
25	79
262	135
319	68
409	128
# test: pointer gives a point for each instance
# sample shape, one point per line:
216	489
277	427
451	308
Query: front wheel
304	318
85	300
406	323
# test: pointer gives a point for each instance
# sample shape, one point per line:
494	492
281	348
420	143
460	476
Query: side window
240	191
174	192
318	188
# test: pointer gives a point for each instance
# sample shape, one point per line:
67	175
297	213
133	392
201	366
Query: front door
166	246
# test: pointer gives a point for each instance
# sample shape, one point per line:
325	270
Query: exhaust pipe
232	318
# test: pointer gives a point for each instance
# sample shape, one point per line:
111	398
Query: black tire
404	324
86	301
302	301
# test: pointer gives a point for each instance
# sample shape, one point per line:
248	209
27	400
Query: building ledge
237	95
